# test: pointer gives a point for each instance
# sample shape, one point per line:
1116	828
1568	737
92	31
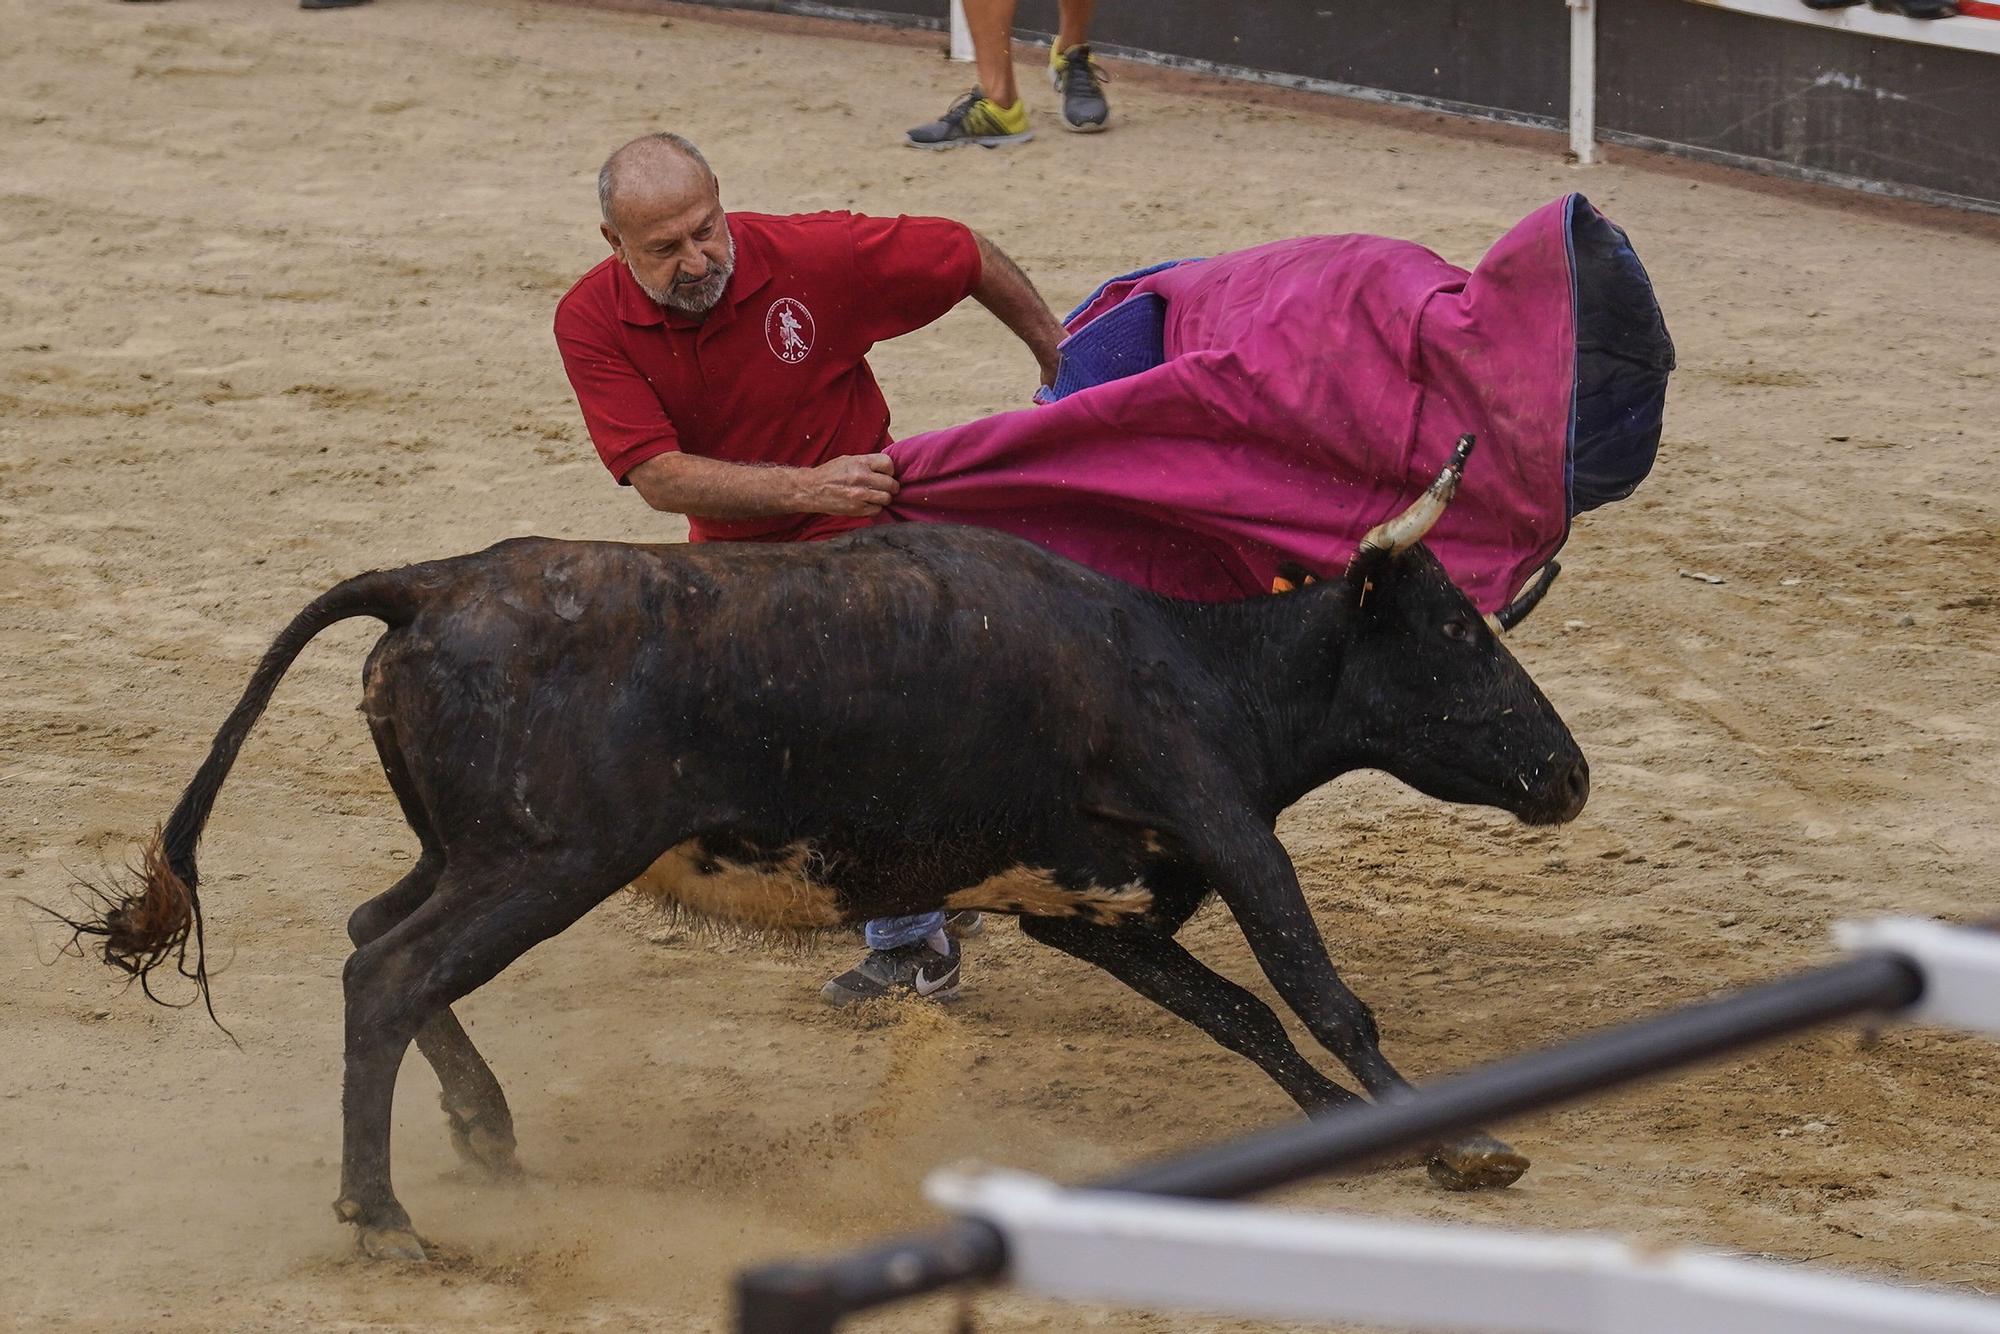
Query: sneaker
974	119
964	924
1077	76
921	970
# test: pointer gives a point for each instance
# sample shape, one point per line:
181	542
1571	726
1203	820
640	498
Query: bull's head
1437	699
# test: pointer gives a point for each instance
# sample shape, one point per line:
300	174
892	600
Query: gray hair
607	175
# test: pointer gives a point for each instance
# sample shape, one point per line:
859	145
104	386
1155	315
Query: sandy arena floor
274	301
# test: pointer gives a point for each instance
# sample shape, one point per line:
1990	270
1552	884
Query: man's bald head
653	171
663	218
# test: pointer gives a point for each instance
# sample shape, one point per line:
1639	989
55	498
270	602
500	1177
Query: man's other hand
855	484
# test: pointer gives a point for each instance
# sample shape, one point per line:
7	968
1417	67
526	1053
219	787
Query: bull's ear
1369	565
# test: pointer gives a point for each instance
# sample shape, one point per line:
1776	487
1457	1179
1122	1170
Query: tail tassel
145	927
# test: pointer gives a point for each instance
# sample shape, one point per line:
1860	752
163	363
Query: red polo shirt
777	371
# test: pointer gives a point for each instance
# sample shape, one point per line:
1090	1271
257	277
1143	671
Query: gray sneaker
1076	76
908	970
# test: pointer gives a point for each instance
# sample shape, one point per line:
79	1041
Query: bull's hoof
485	1142
487	1150
1477	1162
392	1243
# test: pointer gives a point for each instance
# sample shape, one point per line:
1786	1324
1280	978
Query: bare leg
1074	23
991	23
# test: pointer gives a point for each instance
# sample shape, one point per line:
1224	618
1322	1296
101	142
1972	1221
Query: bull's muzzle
1563	795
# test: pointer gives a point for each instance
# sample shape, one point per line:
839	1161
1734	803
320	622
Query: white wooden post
1582	80
961	36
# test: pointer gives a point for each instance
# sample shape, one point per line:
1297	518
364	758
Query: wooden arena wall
1689	76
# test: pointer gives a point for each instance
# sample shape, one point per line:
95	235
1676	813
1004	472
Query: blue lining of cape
1623	357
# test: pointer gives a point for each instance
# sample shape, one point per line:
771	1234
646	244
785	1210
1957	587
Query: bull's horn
1399	534
1530	598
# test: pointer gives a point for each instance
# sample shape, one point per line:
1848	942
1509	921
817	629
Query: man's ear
611	239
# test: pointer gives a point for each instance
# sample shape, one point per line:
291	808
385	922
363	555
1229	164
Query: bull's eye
1457	630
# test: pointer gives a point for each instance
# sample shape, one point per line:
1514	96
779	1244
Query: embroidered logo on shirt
788	328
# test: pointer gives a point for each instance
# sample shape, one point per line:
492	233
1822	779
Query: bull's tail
159	920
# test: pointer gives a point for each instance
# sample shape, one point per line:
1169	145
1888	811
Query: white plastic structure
1144	1251
1583	81
961	35
1966	34
1961	968
1147	1251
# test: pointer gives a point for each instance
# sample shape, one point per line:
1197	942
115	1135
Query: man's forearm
852	484
1006	291
715	489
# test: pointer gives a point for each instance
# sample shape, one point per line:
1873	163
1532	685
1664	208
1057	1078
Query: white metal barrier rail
1130	1250
1108	1243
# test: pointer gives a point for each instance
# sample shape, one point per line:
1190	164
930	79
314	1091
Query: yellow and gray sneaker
974	119
1077	76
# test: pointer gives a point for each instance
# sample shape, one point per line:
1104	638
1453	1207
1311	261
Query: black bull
895	721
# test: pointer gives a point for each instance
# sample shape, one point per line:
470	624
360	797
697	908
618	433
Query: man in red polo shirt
720	362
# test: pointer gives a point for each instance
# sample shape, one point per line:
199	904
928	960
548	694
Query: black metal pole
812	1298
1453	1106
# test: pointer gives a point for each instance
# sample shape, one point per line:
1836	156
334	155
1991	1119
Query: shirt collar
753	270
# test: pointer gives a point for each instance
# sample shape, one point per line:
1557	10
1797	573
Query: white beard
694	299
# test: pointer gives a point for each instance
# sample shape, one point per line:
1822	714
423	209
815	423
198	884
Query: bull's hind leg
475	1107
476	921
1263	893
1156	966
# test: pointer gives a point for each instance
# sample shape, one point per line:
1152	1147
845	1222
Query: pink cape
1310	389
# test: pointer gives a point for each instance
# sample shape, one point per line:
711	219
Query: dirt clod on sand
275	310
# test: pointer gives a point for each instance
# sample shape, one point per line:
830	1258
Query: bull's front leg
1254	876
1150	961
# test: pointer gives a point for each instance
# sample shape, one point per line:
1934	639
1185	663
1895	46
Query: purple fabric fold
1312	388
